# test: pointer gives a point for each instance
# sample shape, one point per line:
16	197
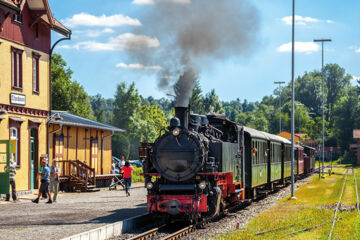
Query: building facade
25	43
76	138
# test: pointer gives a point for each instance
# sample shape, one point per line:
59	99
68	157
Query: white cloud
85	19
138	66
151	2
355	79
355	48
93	33
301	47
126	41
300	20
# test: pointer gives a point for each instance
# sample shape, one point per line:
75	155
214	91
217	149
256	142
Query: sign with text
17	99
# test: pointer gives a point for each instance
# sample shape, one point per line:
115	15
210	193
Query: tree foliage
127	99
212	103
146	123
67	95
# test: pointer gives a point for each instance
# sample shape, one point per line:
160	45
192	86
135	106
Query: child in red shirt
127	169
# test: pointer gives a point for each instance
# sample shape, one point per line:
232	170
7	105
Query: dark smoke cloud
194	35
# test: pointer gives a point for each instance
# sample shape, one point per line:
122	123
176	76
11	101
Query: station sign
17	99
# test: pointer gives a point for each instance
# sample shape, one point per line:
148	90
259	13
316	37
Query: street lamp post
280	101
292	100
323	99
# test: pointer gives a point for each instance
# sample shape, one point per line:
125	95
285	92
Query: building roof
42	7
69	119
356	133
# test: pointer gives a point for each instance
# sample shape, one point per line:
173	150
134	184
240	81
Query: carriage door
94	154
4	165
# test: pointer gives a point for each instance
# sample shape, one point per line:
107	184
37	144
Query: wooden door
94	154
59	147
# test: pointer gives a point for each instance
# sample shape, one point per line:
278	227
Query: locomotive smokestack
182	113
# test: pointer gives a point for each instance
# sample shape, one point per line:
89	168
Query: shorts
44	187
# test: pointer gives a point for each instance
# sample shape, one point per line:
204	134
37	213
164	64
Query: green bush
136	177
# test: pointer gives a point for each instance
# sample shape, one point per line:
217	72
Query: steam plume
192	36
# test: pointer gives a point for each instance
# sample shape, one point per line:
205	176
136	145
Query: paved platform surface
72	213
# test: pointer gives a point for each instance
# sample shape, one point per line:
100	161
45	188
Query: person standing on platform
12	172
122	162
54	179
43	158
127	169
45	181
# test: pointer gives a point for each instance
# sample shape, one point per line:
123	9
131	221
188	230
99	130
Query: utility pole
323	100
280	91
292	101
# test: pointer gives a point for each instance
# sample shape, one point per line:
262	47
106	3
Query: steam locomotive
202	165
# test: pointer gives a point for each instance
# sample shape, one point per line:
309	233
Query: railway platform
73	213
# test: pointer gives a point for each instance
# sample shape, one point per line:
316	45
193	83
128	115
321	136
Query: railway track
155	233
357	194
338	205
148	234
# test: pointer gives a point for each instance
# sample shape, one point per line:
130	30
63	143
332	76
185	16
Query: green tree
212	103
98	105
346	111
146	123
336	81
197	100
67	95
126	101
232	108
102	108
121	145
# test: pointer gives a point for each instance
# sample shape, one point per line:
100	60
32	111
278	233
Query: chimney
182	113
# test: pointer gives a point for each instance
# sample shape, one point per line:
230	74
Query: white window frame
14	135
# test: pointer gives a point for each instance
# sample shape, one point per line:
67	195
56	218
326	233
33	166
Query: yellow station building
25	44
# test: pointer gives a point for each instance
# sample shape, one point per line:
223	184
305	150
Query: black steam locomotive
203	164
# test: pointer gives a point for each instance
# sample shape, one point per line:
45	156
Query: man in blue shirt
45	182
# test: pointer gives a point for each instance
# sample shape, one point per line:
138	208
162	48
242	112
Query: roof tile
70	119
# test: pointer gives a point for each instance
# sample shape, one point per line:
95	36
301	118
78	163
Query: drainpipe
68	37
102	149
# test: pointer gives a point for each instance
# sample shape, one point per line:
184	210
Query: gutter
10	6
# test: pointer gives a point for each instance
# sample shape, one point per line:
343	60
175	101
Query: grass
314	206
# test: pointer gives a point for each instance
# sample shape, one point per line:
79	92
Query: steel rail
181	233
357	194
147	234
337	206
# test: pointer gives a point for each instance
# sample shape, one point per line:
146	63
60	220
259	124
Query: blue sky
100	32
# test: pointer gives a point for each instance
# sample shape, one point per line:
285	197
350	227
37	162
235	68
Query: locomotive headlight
149	186
202	185
176	132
